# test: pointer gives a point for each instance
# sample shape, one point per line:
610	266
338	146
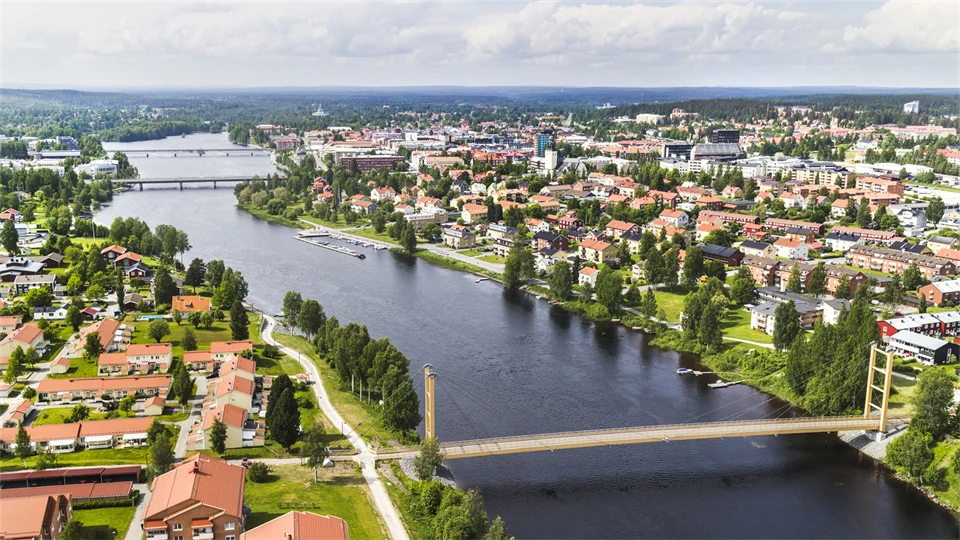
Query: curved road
364	457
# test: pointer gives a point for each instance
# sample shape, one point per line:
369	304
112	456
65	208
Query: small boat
361	256
684	371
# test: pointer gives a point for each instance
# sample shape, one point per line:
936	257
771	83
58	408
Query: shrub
270	351
304	402
258	472
29	392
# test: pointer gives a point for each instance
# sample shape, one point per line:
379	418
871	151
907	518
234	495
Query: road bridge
196	152
181	180
875	418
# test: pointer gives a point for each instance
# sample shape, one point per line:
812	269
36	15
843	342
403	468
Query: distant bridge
200	152
213	180
663	433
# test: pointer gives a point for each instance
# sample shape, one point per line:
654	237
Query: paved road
180	449
364	457
135	532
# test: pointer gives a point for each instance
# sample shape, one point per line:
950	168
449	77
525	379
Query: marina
332	247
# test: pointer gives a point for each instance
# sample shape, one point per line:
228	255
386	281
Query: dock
331	247
723	384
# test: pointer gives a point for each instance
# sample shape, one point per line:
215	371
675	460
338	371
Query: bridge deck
645	434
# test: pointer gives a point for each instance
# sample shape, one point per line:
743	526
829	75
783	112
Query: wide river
509	364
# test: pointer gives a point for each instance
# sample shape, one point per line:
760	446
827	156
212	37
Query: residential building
930	324
153	406
763	270
763	316
757	249
498	231
144	358
588	275
616	228
841	241
241	433
459	238
727	217
296	525
188	304
940	292
26	337
596	251
872	184
234	389
547	239
836	273
936	243
363	207
202	497
895	262
24	282
34	518
925	349
473	213
781	225
797	250
97	388
727	255
677	218
869	235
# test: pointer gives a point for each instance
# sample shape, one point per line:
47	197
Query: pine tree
23	448
561	281
786	325
794	283
818	281
649	306
843	287
653	270
239	322
218	437
161	457
284	424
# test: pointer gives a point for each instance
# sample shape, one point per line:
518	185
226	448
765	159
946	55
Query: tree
177	316
206	320
893	292
863	215
935	210
786	325
931	403
218	437
609	289
843	287
164	289
258	472
649	305
96	293
39	297
671	267
912	277
742	288
715	269
311	318
403	407
126	404
156	431
74	318
647	242
654	268
519	266
314	447
561	282
692	265
45	459
157	329
92	347
214	273
911	453
291	308
711	335
623	252
73	530
498	531
239	322
183	385
587	294
429	458
15	366
720	237
195	274
284	424
79	413
10	238
922	308
280	384
408	240
795	284
189	341
161	456
632	296
23	448
818	280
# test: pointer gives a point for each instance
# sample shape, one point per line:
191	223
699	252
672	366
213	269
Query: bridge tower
887	372
429	419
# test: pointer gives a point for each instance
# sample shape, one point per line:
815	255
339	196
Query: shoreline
457	265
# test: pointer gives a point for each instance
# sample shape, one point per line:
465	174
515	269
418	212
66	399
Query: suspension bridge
875	418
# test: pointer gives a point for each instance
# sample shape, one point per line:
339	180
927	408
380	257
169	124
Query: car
213	375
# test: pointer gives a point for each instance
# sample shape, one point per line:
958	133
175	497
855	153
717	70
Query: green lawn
492	259
340	223
84	458
949	491
372	234
79	367
737	325
59	415
471	252
901	396
100	523
671	302
361	416
866	271
341	492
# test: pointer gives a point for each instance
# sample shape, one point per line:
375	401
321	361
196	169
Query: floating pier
332	247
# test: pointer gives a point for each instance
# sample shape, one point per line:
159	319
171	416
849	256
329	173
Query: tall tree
934	211
742	288
285	423
818	281
158	329
711	334
184	385
23	448
561	282
291	308
280	384
671	267
10	238
843	287
214	274
161	457
692	265
653	269
795	283
609	289
429	458
931	403
912	277
649	305
189	340
786	325
15	366
92	347
519	266
163	287
911	452
311	317
863	215
74	317
239	322
196	273
314	447
218	437
408	240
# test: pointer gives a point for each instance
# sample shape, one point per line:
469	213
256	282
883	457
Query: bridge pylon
429	418
887	372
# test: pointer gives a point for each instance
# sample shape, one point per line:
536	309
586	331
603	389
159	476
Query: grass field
79	367
737	325
671	302
471	252
83	458
59	415
341	492
347	404
492	259
100	523
372	234
950	491
340	224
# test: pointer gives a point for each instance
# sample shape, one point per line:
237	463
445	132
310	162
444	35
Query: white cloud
438	42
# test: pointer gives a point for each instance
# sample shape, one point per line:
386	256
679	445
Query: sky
74	44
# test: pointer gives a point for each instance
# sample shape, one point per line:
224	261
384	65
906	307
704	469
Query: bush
29	392
258	472
270	351
304	402
108	503
163	308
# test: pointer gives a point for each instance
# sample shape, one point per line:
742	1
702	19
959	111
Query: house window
177	538
178	526
228	526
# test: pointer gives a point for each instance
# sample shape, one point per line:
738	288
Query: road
364	456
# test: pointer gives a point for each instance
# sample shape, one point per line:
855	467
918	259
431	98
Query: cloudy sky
508	42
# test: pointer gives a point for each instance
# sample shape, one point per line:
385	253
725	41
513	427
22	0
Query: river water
508	364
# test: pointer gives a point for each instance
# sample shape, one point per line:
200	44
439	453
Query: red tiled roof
199	478
300	526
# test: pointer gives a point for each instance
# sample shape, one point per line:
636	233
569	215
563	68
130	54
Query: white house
677	218
913	220
383	194
792	249
588	275
793	200
950	220
842	241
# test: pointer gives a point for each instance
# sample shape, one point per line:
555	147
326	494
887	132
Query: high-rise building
544	140
912	107
725	136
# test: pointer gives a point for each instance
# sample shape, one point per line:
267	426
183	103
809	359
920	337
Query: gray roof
920	340
718	251
942	239
753	244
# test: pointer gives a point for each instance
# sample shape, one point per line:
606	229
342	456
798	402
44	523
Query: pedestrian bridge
180	181
874	418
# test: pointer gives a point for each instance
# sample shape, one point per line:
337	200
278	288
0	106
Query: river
508	364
